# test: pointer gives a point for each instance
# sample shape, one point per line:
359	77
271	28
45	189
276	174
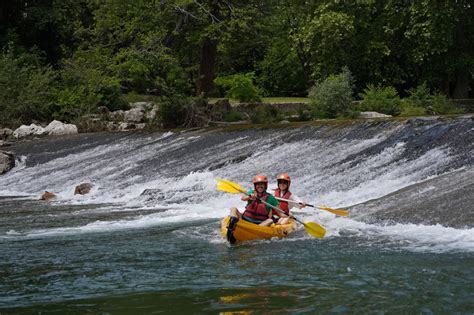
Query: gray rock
372	115
135	115
31	130
7	161
58	128
5	133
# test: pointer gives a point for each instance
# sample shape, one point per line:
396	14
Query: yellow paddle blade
335	211
225	184
227	188
314	229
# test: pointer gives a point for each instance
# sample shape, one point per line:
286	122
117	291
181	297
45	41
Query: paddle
335	211
312	228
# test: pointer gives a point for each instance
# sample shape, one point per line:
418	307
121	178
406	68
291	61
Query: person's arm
297	202
248	196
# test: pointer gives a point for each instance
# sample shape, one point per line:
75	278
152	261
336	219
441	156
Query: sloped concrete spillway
415	171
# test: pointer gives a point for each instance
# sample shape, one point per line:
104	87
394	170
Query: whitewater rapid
168	179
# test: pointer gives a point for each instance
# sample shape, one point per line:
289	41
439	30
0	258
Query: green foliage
410	110
240	86
381	99
265	114
25	89
420	96
85	85
233	116
281	73
436	104
173	111
442	106
333	97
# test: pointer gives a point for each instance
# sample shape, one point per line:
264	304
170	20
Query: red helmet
285	177
260	179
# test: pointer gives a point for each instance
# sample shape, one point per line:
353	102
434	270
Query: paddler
255	212
283	191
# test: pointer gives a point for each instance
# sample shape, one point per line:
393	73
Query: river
146	238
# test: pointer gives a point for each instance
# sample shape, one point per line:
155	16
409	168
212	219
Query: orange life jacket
256	210
283	205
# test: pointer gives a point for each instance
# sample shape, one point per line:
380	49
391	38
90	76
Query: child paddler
283	191
255	212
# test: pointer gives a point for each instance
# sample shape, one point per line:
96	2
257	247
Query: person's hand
302	205
252	197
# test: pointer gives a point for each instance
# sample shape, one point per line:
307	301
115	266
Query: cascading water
154	200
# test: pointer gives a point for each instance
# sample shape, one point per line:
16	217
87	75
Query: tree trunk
207	66
461	89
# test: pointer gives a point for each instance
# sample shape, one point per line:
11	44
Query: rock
83	189
47	196
372	115
117	115
141	106
134	115
5	143
7	161
152	113
58	128
5	133
31	130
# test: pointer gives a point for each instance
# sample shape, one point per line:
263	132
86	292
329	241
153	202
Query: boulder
152	113
5	133
134	115
117	115
31	130
83	189
372	115
47	196
7	161
58	128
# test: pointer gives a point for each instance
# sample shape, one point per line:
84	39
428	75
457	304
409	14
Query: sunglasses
282	182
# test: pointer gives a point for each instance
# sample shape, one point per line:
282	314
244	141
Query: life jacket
283	205
256	210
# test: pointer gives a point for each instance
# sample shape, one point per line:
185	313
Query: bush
233	116
173	111
381	99
333	97
25	89
240	87
420	96
437	104
442	106
410	110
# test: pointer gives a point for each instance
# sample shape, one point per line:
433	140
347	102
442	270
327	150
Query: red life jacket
283	205
256	210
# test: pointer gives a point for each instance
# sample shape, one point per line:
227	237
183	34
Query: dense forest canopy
65	57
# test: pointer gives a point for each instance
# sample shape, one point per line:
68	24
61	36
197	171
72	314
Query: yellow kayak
246	231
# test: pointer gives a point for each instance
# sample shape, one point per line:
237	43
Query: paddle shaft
335	211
